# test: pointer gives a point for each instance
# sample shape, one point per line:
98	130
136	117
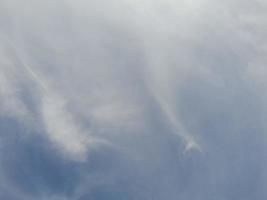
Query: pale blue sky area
133	100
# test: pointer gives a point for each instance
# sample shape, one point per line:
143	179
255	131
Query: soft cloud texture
151	99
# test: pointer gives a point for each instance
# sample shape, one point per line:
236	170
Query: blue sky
131	99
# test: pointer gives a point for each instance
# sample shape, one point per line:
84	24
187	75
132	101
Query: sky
133	100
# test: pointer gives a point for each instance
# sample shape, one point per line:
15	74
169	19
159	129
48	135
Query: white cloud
141	75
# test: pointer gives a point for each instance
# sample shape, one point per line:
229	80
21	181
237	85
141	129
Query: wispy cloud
132	99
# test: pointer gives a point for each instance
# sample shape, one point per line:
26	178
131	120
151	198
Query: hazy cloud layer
151	99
